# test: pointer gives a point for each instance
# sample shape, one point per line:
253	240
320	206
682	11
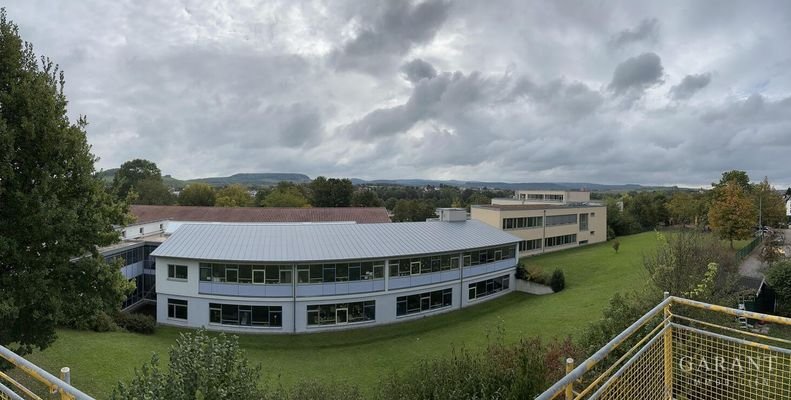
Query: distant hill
270	179
594	187
252	179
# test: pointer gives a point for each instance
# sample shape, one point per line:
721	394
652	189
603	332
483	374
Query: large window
528	245
489	255
177	271
249	274
340	272
566	219
232	314
583	222
416	303
424	265
488	287
560	240
522	222
177	309
341	313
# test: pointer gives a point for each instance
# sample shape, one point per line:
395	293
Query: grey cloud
637	73
647	30
418	69
398	27
690	85
574	99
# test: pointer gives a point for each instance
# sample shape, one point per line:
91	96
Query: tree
199	367
331	192
778	277
52	206
478	199
131	173
412	210
151	191
769	203
685	208
740	178
233	196
197	194
286	194
366	198
732	214
681	262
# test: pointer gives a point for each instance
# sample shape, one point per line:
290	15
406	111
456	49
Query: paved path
752	265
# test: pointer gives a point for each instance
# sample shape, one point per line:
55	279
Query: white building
285	278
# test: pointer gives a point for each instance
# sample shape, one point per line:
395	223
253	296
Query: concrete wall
133	231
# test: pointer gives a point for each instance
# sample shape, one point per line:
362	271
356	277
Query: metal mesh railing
704	355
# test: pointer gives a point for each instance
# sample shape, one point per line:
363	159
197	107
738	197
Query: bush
616	245
536	274
200	367
558	281
518	371
778	277
103	323
521	272
139	323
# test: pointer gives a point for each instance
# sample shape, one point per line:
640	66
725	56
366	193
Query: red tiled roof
361	215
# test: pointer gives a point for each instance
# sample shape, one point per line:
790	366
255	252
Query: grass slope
593	274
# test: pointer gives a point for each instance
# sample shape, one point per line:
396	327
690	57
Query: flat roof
361	215
516	207
327	242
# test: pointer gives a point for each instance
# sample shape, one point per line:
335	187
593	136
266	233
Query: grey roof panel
319	242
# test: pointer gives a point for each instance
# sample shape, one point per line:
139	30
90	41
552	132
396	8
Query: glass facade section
560	240
492	254
245	273
528	245
244	315
416	303
567	219
340	272
488	287
522	222
341	313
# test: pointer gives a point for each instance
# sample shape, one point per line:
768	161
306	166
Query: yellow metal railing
13	389
665	355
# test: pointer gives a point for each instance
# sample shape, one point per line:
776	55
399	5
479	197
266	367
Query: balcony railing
685	349
17	387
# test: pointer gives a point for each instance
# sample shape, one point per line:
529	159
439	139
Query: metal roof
325	242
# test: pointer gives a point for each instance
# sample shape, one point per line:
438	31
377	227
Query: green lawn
363	356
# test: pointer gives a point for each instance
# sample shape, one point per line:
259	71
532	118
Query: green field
593	274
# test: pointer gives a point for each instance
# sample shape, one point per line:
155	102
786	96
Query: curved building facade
287	278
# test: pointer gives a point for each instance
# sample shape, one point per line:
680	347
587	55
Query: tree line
734	208
140	182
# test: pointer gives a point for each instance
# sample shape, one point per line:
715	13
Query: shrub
139	323
521	272
616	245
558	281
779	279
536	274
200	367
103	322
517	371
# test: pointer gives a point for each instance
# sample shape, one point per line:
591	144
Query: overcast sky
657	92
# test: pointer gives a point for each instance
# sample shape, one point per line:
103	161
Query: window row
522	222
477	257
488	287
566	219
232	314
423	265
253	274
341	313
127	257
416	303
340	272
528	245
560	240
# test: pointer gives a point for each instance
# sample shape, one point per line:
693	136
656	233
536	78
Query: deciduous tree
769	203
197	194
366	198
732	213
331	192
286	194
131	173
151	191
233	196
52	207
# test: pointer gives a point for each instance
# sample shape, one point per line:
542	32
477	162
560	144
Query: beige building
547	220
